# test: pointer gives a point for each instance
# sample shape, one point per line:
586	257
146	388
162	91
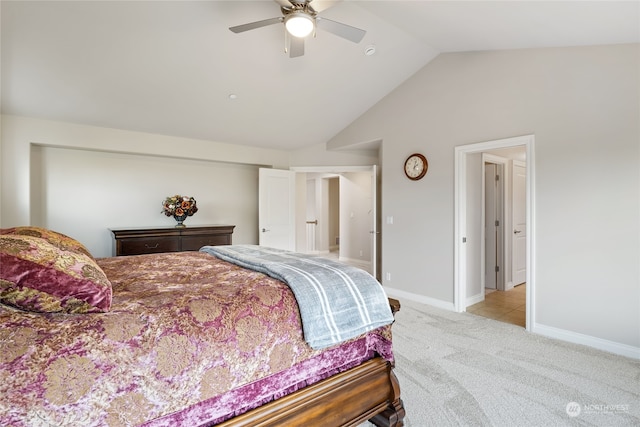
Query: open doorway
493	229
339	209
339	217
504	205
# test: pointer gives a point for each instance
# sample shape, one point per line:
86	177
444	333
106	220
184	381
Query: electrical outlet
388	277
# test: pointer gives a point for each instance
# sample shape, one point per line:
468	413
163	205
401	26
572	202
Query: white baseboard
365	265
475	299
397	293
578	338
547	331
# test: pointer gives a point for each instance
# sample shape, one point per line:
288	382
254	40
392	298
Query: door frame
374	171
460	213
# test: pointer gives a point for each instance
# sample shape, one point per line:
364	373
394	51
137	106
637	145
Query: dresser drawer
148	245
194	243
151	240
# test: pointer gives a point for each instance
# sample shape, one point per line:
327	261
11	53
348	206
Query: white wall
583	106
81	180
1	167
0	131
474	227
84	193
321	155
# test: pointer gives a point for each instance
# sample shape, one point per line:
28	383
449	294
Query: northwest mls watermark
575	409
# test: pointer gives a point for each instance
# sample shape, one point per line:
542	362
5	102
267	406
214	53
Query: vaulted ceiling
174	68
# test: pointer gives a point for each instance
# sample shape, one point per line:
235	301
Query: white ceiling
168	67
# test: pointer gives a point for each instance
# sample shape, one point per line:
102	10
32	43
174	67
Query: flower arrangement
179	206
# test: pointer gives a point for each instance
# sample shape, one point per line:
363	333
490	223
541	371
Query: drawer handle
151	247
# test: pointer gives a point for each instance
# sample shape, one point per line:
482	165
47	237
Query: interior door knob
264	230
516	231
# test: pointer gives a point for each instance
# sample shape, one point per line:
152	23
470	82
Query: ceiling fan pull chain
286	41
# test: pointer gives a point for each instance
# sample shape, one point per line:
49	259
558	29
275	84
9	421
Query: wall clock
415	167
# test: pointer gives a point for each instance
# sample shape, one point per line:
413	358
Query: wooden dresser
149	240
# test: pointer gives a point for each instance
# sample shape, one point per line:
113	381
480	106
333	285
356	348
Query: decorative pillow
60	240
36	275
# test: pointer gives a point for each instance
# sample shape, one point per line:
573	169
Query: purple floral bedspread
189	340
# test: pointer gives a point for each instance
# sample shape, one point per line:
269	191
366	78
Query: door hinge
497	177
497	268
497	223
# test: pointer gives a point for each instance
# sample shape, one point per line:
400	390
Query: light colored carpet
459	369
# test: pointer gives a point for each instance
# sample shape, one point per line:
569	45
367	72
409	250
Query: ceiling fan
301	19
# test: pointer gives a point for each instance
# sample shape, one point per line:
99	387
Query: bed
174	339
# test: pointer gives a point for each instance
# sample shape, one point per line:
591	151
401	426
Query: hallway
505	306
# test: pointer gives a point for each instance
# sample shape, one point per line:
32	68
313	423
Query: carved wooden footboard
367	392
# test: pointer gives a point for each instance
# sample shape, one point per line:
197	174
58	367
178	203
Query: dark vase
180	219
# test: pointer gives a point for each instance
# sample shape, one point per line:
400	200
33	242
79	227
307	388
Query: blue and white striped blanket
337	302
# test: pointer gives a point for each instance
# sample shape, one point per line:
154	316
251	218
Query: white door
519	236
375	235
276	208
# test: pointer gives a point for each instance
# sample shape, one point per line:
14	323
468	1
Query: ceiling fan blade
283	3
296	47
342	30
257	24
320	5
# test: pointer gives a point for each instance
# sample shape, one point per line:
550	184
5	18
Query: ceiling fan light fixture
299	24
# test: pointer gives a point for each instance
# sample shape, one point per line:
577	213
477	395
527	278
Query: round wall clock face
415	167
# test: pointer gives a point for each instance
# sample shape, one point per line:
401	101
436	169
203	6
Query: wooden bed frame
367	392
